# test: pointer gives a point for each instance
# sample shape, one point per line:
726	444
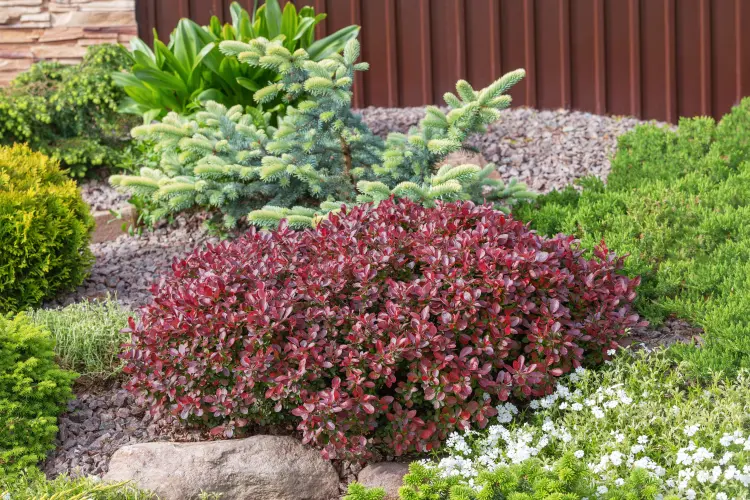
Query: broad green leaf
185	43
144	60
210	95
123	79
194	80
161	79
235	10
246	27
289	25
215	26
332	43
248	83
171	61
138	45
228	33
273	18
307	23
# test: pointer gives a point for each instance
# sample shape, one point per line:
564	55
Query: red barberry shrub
387	326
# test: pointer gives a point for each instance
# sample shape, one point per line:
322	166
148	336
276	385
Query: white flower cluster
686	473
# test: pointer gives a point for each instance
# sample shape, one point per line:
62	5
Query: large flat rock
259	467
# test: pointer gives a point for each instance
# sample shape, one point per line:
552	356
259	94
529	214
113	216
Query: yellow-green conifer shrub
33	392
45	227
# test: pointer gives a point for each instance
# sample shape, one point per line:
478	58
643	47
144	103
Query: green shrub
33	392
70	112
45	228
191	69
641	428
225	161
87	336
679	203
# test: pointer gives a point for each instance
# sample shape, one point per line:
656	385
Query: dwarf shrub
45	228
70	112
33	391
387	326
678	203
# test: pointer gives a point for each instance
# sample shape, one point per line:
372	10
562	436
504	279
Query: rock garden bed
547	150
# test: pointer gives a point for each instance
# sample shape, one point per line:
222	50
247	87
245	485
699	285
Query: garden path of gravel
545	149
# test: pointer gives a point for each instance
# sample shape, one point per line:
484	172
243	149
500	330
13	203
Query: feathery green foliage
191	69
45	228
88	336
70	112
33	391
238	164
679	204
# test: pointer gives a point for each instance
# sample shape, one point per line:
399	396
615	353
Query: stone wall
59	30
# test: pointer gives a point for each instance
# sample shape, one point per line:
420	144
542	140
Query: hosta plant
190	69
388	326
321	154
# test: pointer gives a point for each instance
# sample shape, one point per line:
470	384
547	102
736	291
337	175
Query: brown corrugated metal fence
649	58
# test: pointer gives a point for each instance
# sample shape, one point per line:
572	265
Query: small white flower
726	458
579	454
602	490
721	496
576	407
611	352
690	494
691	430
642	439
616	458
619	481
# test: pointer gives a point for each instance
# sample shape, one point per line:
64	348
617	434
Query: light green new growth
237	164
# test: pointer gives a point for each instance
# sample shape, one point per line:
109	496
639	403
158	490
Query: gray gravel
545	149
99	422
101	196
127	266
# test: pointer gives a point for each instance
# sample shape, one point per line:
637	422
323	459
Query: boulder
259	467
386	475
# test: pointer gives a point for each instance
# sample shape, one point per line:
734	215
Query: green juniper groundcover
679	203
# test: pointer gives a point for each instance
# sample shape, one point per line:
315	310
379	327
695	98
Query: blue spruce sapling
321	155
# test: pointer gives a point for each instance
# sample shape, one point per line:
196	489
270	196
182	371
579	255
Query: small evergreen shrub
45	227
88	336
70	112
233	163
678	202
387	326
33	392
